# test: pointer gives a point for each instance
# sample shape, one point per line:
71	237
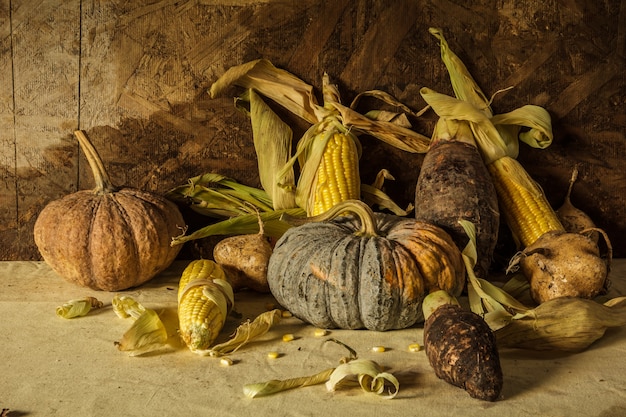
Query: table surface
57	367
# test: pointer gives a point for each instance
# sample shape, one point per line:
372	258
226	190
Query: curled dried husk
370	376
78	307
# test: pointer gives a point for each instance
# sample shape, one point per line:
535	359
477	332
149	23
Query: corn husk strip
274	386
78	308
531	124
279	85
565	324
272	142
374	195
245	333
369	375
389	99
391	133
146	334
495	305
244	224
125	306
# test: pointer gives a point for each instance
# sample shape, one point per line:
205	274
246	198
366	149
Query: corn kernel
415	347
226	361
286	314
288	337
378	349
320	332
273	355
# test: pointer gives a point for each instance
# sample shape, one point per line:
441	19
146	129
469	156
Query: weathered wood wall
134	75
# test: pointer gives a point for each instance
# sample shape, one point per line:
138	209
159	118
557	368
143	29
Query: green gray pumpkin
363	269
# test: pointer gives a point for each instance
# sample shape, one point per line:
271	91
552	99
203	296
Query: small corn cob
524	206
204	300
337	176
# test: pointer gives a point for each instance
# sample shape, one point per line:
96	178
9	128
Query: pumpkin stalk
101	177
356	207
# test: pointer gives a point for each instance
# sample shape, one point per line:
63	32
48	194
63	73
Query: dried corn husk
272	142
78	307
566	324
147	332
245	333
369	375
496	135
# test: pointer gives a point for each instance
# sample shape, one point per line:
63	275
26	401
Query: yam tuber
461	348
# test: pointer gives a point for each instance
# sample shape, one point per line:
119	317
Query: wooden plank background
135	75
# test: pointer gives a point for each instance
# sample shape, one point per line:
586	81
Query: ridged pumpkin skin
110	238
328	275
111	241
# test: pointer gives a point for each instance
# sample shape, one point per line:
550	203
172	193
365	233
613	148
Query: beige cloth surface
56	367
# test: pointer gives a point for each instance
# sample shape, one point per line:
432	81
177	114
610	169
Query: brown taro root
562	264
454	184
244	259
109	238
461	348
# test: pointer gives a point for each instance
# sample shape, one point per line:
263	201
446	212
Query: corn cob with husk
332	124
205	299
548	251
328	154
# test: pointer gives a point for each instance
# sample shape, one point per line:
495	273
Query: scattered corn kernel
286	314
415	347
226	361
273	355
378	349
288	337
320	332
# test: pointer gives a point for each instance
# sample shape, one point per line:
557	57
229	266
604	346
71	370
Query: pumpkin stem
103	182
356	207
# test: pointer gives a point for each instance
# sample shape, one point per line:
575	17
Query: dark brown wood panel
135	75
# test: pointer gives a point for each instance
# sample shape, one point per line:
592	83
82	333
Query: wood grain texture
134	75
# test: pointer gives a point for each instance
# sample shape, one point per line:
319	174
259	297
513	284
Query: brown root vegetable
244	259
454	184
572	218
461	348
562	264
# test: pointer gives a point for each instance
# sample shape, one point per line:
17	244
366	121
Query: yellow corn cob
204	300
337	177
523	204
